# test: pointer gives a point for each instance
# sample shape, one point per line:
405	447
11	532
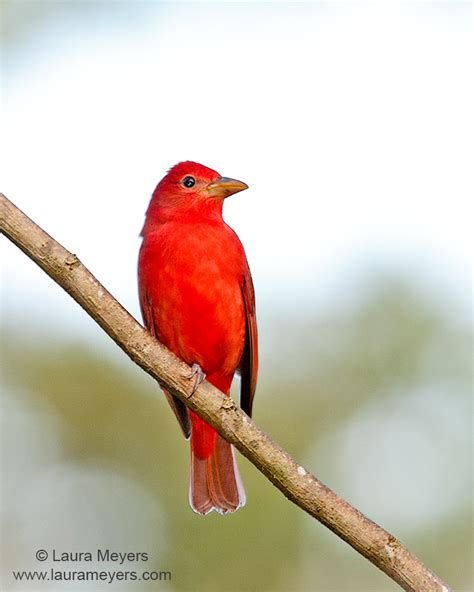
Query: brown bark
295	482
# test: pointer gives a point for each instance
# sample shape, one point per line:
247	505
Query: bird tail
215	482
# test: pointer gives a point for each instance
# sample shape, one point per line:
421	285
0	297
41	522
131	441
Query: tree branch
302	488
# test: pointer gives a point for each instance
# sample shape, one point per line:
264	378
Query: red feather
197	298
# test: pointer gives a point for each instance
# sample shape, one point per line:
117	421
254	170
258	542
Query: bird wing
178	407
249	362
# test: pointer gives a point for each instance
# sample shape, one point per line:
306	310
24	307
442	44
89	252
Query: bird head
190	191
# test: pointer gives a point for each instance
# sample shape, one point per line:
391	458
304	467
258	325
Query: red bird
197	298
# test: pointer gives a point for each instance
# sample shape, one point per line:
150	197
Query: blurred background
352	124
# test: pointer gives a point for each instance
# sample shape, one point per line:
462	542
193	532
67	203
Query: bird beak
224	187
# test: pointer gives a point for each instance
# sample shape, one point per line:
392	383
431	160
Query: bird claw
197	372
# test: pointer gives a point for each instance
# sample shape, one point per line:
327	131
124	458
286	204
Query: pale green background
350	122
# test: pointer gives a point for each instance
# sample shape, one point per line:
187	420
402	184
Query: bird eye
189	181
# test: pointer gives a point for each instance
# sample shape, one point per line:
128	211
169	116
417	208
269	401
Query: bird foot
197	372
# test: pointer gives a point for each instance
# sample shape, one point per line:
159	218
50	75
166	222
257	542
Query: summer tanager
197	298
